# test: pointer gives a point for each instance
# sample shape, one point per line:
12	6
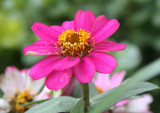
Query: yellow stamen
23	98
75	43
99	90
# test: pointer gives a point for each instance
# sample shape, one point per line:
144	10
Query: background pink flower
78	47
105	82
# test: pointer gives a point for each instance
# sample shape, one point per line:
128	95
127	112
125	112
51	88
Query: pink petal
47	43
45	32
98	24
140	105
68	25
147	98
24	73
83	20
109	46
44	94
117	79
43	67
59	29
104	62
51	63
102	81
11	69
106	31
85	70
12	82
121	103
65	63
58	79
40	48
43	42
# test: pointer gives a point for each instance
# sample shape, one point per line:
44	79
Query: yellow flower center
23	98
75	43
99	89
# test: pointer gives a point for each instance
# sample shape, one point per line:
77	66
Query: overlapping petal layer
107	46
106	30
38	50
84	71
59	29
104	62
66	63
67	25
43	67
83	20
51	63
58	79
45	32
98	24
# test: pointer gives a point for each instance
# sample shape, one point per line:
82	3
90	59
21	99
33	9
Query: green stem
85	95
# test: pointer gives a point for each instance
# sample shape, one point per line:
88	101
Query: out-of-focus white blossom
138	105
19	88
4	106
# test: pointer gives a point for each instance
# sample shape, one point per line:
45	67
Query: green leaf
78	108
77	91
137	89
92	90
135	97
146	73
1	93
35	102
112	97
41	88
61	104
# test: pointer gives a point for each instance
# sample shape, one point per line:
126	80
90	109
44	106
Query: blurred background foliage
140	30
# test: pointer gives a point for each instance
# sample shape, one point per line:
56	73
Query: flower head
78	47
104	82
19	89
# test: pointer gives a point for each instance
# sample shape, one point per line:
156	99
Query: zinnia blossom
77	47
104	82
19	89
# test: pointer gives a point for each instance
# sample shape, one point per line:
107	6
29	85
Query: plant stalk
85	95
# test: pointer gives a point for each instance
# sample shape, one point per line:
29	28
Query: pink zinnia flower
78	47
104	82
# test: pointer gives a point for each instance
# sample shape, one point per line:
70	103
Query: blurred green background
140	30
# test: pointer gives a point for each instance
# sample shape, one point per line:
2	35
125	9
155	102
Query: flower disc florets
75	43
23	98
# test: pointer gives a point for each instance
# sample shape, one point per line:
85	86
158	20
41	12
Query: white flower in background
4	106
19	89
138	105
